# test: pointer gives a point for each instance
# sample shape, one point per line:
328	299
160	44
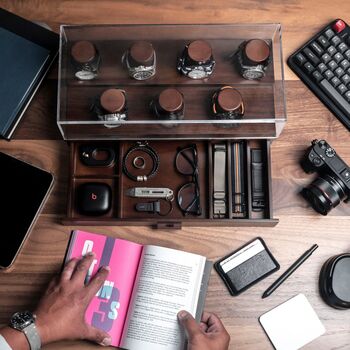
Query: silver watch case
140	72
21	320
253	72
114	118
196	72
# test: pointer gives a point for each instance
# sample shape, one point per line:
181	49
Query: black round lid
341	279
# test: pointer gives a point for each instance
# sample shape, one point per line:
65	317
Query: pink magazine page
109	307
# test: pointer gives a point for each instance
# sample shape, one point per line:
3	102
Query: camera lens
324	194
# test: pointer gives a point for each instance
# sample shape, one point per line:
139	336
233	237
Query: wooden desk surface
37	140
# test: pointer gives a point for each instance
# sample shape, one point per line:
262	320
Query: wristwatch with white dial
253	57
25	323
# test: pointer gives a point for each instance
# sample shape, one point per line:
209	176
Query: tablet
27	52
24	189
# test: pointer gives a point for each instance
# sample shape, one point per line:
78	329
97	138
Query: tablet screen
23	190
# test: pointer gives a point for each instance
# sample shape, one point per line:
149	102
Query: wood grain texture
37	140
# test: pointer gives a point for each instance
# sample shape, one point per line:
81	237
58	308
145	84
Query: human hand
210	334
61	311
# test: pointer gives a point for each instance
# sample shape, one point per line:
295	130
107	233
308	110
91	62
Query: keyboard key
336	40
347	54
342	47
338	57
317	48
300	59
311	56
323	41
317	75
342	88
335	81
329	33
339	72
309	67
345	64
339	26
336	97
347	96
326	58
328	74
332	50
345	79
322	67
332	65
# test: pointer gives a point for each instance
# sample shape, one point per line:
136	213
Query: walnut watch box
202	159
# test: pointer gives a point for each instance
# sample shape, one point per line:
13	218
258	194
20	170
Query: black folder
27	52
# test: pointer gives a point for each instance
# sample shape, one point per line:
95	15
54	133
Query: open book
145	289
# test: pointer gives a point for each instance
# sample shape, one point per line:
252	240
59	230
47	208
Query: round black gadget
334	281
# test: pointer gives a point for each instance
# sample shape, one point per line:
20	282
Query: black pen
289	271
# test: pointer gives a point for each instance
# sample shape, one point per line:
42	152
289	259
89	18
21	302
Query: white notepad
292	324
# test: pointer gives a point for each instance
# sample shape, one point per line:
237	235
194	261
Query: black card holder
250	270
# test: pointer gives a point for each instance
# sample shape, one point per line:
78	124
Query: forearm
17	340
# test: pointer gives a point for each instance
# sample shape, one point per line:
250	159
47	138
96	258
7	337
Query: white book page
168	281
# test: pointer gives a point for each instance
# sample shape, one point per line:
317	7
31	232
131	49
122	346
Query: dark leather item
334	281
219	194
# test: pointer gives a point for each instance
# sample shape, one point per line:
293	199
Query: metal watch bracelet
33	337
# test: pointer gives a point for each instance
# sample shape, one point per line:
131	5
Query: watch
253	57
25	323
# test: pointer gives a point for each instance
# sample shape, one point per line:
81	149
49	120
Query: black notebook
27	52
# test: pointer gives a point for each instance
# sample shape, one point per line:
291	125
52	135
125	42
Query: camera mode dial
330	152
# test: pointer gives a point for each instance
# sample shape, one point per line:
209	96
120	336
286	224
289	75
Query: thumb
189	323
98	336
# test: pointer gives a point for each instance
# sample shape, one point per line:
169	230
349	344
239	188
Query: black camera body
333	184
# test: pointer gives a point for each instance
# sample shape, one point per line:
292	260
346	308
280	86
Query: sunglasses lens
186	161
188	198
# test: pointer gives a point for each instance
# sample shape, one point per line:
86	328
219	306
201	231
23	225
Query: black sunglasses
188	196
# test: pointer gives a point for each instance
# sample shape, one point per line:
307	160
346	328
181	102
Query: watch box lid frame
265	117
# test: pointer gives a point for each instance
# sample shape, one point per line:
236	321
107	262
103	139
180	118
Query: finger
204	327
213	322
68	270
52	284
82	268
97	281
189	323
98	336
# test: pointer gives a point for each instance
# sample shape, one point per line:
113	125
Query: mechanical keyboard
323	64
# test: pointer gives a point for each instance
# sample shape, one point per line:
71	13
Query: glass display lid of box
171	82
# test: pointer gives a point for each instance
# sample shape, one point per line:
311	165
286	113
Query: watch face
143	74
113	118
21	320
253	74
197	74
85	75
